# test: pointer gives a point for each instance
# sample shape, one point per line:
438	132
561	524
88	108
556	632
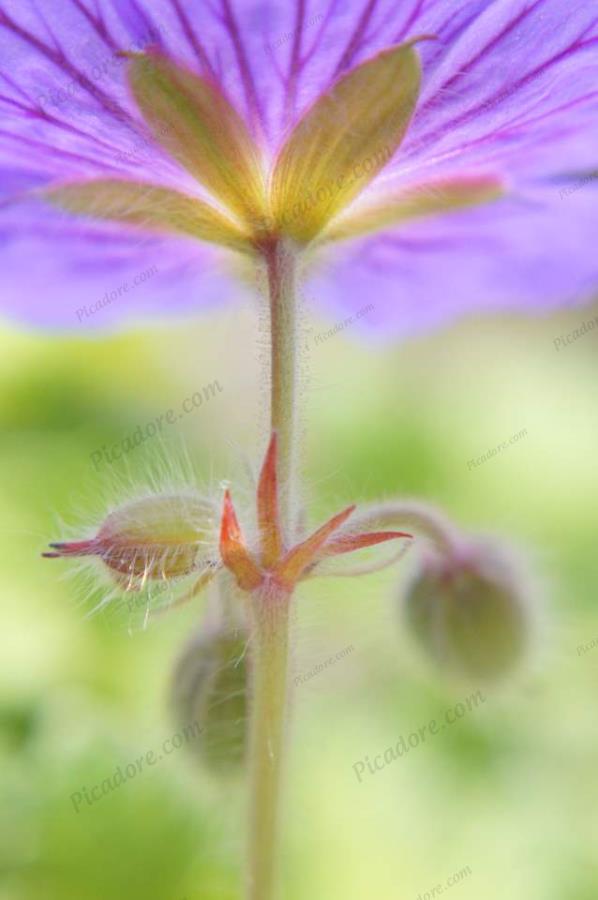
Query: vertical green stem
269	696
281	266
270	605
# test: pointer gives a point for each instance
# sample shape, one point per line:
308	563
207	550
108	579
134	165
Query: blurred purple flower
508	96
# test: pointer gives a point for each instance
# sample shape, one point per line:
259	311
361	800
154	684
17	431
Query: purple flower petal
509	89
532	252
518	90
62	275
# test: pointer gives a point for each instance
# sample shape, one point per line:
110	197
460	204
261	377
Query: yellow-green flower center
335	151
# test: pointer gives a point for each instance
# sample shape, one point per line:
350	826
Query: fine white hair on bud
157	539
161	537
469	610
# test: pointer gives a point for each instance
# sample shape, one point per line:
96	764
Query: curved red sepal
268	516
233	550
294	564
351	542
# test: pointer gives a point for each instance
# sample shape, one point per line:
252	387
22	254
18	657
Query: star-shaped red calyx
275	562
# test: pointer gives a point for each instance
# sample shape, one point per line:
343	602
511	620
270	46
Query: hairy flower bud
210	688
468	611
158	537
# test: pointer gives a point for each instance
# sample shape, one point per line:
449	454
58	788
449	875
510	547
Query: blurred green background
509	793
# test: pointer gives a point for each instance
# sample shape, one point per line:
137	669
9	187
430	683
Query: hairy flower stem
270	604
281	268
269	699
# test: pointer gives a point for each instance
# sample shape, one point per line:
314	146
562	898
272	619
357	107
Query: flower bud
210	688
158	537
468	611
